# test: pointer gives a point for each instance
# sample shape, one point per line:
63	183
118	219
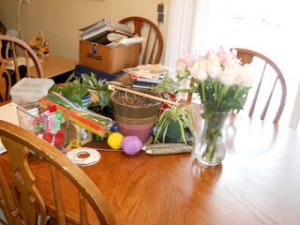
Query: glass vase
211	149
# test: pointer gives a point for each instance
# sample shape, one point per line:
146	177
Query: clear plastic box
29	90
52	126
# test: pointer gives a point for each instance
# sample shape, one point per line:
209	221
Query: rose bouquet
222	83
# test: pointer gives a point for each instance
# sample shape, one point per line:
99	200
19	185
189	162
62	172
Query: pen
163	149
167	151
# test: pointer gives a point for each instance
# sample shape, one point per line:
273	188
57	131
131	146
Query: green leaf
206	115
55	88
183	115
103	99
76	99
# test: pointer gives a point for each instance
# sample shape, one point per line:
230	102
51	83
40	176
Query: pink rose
227	55
186	61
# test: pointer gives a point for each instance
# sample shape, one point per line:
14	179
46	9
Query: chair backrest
153	46
31	205
270	85
16	57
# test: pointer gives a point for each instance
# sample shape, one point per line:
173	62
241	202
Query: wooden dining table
258	182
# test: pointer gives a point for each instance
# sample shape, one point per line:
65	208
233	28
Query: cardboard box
108	59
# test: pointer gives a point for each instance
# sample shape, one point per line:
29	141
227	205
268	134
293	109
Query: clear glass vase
210	147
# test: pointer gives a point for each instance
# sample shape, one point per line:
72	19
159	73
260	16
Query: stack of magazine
105	32
146	76
146	83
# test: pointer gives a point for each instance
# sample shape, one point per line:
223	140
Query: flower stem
203	96
212	132
220	98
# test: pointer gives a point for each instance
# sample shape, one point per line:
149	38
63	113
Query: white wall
60	20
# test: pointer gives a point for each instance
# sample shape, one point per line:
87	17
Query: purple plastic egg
131	145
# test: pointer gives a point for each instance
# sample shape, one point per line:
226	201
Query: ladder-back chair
270	87
16	57
30	205
153	46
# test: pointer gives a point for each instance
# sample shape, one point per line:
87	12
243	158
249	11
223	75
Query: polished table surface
55	65
257	183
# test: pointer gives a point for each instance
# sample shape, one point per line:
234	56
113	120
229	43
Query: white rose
231	75
246	76
214	68
198	70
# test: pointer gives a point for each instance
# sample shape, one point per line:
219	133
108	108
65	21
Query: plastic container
50	124
29	90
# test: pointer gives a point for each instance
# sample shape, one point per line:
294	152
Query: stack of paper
153	71
99	30
8	113
146	76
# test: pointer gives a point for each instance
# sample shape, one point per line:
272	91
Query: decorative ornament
115	140
131	145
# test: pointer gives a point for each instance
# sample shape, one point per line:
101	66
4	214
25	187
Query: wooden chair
12	52
153	46
29	204
270	85
7	204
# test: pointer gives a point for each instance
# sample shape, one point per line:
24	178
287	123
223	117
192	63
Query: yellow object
73	144
115	140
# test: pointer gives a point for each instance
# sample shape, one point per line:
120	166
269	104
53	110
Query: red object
59	138
81	120
165	106
48	136
52	108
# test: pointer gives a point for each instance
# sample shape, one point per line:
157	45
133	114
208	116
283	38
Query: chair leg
51	221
